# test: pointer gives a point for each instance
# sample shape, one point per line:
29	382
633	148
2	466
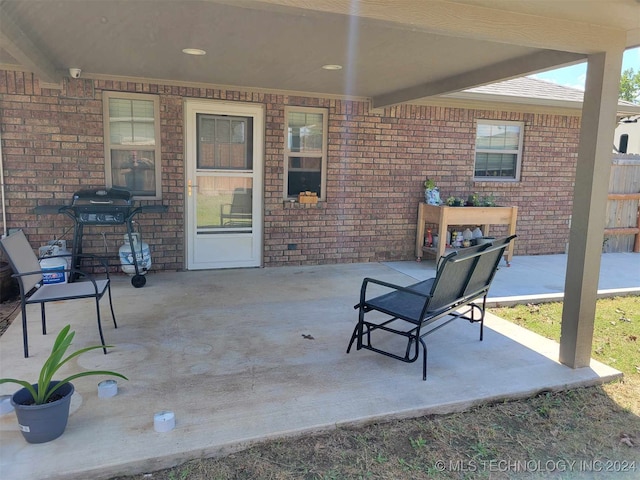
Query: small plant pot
432	196
42	423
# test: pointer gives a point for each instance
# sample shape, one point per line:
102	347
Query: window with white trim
132	143
305	151
498	150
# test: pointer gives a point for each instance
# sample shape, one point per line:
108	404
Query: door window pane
223	143
224	203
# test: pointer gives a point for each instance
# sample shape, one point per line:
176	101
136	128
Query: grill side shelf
49	209
149	209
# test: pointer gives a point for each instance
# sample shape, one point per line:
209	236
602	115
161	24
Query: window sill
295	205
491	182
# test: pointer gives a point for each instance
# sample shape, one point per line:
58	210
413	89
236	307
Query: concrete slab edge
466	405
218	451
496	302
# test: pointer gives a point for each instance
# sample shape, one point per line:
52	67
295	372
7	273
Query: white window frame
517	152
323	154
156	148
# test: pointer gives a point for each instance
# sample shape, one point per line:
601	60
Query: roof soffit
477	21
404	50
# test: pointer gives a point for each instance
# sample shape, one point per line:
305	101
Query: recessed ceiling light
332	67
193	51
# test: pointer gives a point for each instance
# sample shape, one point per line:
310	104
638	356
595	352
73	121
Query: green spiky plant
54	362
429	184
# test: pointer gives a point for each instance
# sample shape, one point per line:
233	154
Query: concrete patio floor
242	356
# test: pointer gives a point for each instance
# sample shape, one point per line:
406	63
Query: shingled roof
534	91
532	88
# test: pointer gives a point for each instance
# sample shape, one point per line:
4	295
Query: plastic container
53	270
164	421
107	389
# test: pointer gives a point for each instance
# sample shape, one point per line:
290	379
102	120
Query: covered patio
396	55
239	360
235	354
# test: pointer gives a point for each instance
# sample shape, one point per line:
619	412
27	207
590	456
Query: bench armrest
392	286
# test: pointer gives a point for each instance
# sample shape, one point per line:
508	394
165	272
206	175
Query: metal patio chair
29	274
238	213
458	291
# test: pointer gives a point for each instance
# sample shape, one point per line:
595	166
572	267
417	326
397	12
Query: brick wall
52	146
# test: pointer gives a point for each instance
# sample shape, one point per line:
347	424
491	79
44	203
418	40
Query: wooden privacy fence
622	231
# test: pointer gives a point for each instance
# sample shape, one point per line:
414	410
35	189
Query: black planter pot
8	284
42	423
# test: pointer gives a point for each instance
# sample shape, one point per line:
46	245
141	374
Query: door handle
190	186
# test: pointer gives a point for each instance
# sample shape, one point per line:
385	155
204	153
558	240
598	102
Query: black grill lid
101	196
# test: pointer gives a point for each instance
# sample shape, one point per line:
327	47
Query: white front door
224	158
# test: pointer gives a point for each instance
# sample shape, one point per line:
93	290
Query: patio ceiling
392	52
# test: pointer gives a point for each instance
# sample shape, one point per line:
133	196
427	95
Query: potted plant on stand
431	192
42	408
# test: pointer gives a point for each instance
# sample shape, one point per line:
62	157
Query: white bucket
53	270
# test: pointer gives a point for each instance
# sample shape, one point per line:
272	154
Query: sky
575	75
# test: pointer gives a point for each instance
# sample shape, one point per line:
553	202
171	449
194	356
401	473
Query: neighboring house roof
537	92
532	88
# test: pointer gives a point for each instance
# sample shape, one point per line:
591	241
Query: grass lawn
616	333
587	433
616	338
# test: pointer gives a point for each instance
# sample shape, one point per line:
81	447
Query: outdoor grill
101	207
112	206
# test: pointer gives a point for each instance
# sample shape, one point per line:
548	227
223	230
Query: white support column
589	207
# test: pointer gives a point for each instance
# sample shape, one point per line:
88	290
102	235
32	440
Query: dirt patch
8	311
581	433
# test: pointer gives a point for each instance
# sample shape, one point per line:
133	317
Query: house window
498	150
132	143
305	151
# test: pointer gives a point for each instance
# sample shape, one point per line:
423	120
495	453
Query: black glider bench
459	290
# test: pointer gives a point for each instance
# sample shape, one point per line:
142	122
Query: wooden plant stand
444	216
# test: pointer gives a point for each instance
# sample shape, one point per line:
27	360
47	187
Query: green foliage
53	363
183	474
455	201
429	184
474	200
418	443
380	458
482	451
488	201
630	85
